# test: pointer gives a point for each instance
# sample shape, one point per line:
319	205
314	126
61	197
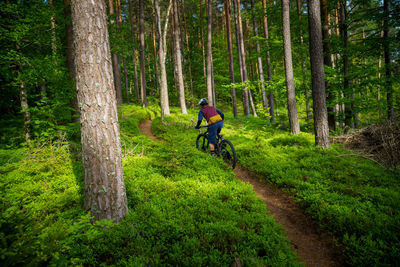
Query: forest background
169	54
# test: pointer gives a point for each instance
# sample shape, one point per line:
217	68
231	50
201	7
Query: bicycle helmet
203	102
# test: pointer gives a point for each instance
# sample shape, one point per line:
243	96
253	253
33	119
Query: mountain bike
223	148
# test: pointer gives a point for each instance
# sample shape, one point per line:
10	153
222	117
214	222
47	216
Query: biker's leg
212	137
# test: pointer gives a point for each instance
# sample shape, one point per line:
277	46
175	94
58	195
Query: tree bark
259	61
388	69
209	55
327	62
105	195
142	48
348	113
269	71
132	28
162	51
227	7
70	61
178	57
155	59
116	63
321	127
202	44
242	55
53	33
291	94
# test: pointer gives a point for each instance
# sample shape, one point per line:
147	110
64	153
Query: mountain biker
214	118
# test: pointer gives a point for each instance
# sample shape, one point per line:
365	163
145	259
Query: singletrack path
313	247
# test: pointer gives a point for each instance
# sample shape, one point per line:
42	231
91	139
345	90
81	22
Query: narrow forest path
312	247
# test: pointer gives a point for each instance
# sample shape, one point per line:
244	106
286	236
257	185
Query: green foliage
349	196
185	207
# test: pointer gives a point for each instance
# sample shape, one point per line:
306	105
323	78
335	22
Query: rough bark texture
227	7
126	80
291	95
317	75
161	40
386	47
327	61
70	60
269	71
132	28
142	48
209	55
242	56
116	63
105	195
178	58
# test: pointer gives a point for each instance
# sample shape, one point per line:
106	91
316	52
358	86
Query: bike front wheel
227	151
202	142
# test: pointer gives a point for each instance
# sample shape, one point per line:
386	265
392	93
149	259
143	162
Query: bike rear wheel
202	142
227	151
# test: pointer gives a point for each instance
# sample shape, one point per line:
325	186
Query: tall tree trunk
155	59
70	60
348	113
227	7
27	115
388	68
321	127
178	57
202	44
116	63
132	28
53	33
162	51
291	95
242	55
126	80
209	55
142	59
303	64
105	195
188	50
269	71
327	62
259	60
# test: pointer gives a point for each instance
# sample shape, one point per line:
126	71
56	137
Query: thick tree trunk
227	7
116	63
269	71
291	94
327	62
209	55
178	57
142	48
70	60
242	56
259	61
132	28
321	127
105	195
386	48
162	51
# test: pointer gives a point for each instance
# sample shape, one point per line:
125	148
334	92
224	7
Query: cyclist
214	119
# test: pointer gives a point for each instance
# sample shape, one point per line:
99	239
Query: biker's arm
200	118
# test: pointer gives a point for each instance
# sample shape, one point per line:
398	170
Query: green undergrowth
348	195
185	208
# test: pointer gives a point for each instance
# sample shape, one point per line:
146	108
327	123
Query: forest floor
313	247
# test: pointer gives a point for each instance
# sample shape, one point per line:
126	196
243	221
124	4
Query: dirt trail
312	247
